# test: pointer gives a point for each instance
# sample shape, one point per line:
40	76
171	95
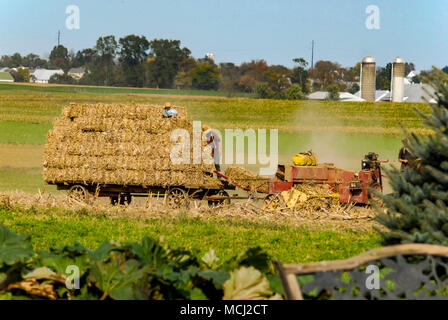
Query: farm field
339	132
283	241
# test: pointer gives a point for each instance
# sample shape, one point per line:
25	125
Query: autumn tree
325	73
252	73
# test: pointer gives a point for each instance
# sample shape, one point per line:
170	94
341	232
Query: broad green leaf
116	276
247	284
14	248
102	252
150	252
59	263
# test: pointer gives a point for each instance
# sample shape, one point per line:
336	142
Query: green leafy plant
147	270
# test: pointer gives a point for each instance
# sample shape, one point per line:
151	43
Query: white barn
44	75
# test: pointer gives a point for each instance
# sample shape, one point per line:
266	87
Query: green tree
21	75
62	79
445	69
84	57
183	78
294	92
34	61
300	74
354	88
103	61
132	56
59	58
417	209
231	77
333	92
383	77
206	76
263	91
166	58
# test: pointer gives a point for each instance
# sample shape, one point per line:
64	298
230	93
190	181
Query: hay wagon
175	197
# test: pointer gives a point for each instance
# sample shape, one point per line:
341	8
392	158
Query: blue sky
241	30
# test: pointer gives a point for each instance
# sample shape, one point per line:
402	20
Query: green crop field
339	132
288	243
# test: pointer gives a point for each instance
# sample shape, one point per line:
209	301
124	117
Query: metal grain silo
397	83
368	77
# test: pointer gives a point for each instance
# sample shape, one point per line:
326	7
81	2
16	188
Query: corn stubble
120	144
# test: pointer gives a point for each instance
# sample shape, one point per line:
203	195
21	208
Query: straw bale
122	145
246	178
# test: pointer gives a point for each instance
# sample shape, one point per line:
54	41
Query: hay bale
246	178
120	144
309	197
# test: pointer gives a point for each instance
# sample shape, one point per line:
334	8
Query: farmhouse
44	75
77	73
6	77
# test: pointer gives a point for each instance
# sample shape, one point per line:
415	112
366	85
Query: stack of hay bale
125	145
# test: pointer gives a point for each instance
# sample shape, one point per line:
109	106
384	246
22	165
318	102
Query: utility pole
59	38
312	54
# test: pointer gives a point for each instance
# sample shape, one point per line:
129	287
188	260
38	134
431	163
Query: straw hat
167	105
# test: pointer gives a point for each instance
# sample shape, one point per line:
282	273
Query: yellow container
300	160
304	160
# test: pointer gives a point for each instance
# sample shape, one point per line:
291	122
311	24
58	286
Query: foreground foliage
417	211
149	269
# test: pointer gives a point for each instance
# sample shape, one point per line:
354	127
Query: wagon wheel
77	194
122	199
273	202
177	198
221	193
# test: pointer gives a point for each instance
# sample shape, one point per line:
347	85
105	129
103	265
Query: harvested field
121	145
342	216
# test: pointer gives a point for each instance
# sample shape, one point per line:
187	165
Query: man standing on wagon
214	141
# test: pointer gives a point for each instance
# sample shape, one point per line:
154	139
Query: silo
368	78
397	83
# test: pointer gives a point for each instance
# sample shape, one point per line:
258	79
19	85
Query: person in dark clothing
406	158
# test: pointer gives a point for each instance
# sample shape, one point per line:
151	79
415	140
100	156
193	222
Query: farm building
343	96
77	73
6	77
44	75
413	92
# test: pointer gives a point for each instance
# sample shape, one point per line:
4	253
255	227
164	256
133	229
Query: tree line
135	61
